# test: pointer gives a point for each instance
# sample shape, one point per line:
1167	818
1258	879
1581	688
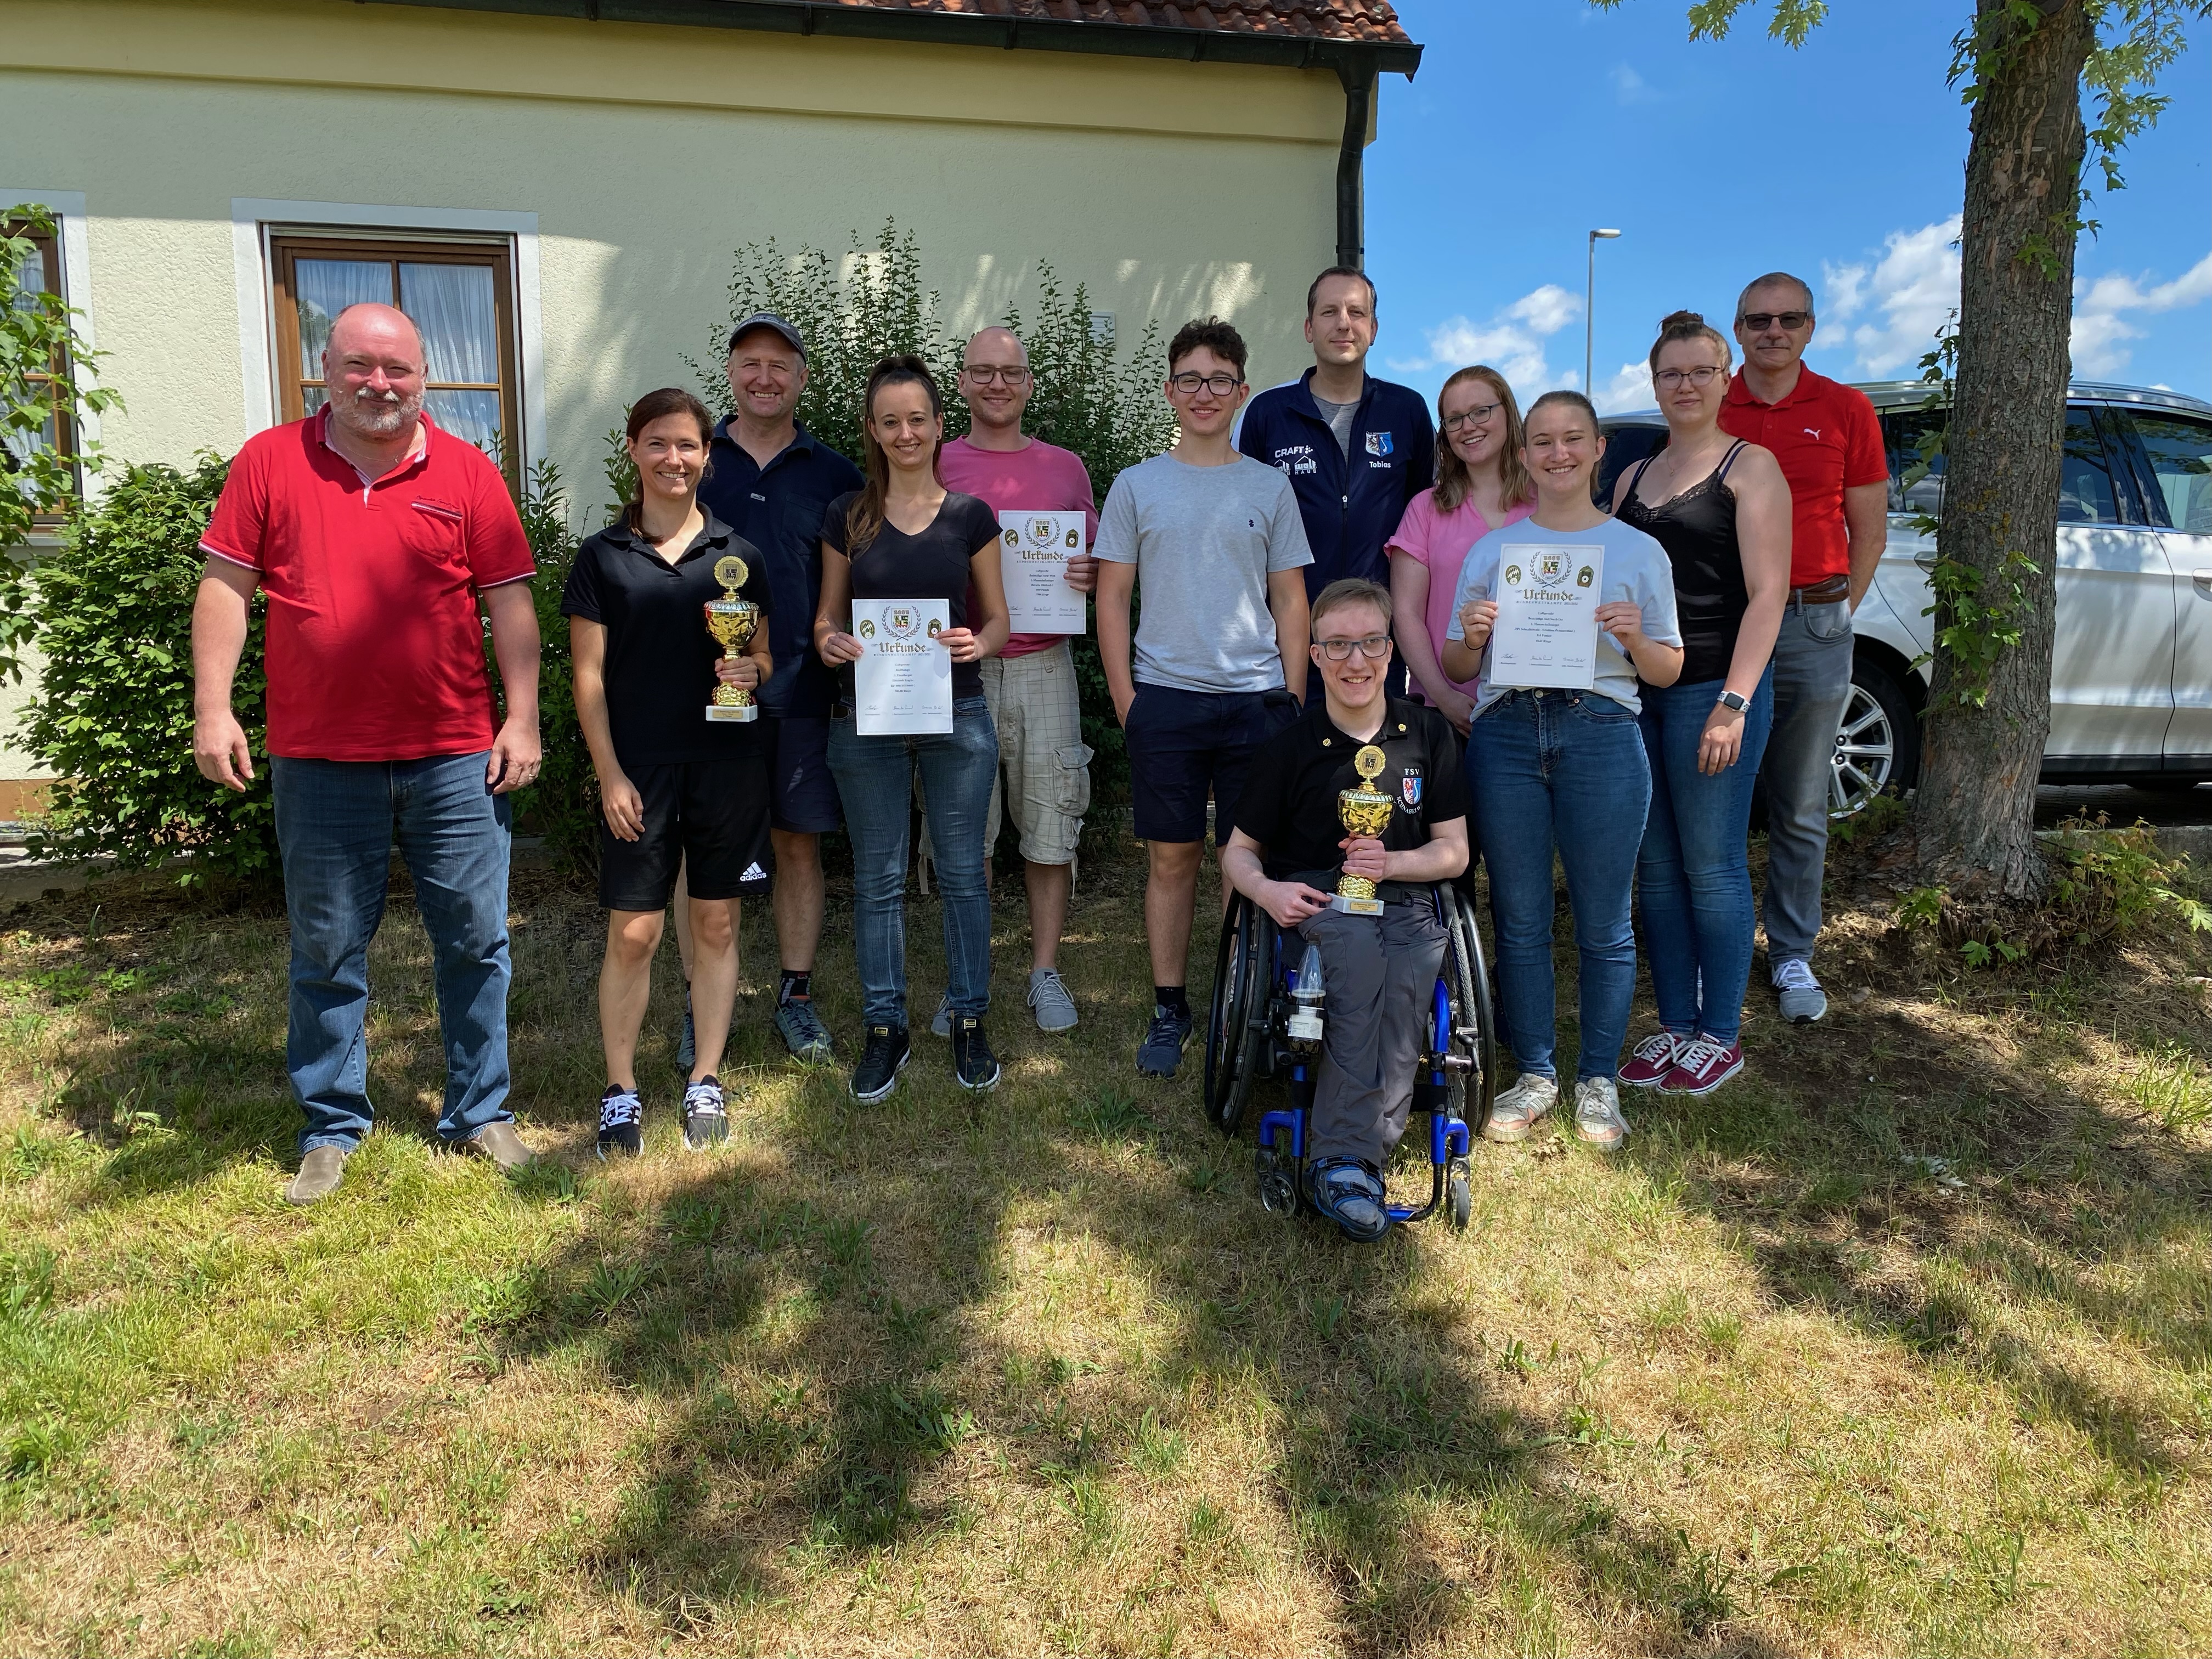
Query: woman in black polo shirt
907	537
675	788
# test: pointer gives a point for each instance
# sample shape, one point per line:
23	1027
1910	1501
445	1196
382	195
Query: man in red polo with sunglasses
1828	440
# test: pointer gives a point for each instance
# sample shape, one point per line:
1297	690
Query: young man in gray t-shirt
1220	656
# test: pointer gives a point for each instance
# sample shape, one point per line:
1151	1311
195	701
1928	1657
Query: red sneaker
1653	1059
1701	1066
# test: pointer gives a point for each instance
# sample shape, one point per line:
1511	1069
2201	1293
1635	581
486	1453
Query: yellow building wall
647	154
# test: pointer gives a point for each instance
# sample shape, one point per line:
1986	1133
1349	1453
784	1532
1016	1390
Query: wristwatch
1734	702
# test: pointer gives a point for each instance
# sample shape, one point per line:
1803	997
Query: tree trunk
1974	814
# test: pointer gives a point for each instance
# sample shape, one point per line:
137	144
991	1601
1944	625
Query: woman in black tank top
1721	509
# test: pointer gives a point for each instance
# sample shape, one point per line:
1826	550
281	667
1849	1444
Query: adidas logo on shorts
754	873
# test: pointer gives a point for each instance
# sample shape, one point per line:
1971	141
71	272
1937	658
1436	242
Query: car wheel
1877	740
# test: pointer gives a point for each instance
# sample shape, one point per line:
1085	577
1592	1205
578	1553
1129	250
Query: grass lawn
1900	1343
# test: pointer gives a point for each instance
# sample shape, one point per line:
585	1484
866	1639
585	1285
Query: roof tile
1373	20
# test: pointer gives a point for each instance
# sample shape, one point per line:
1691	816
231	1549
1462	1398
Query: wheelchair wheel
1474	1028
1237	1021
1278	1183
1459	1195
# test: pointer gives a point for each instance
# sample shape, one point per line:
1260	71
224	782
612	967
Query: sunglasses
1759	320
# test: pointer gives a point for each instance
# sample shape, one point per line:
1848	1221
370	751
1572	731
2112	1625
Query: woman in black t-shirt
675	788
906	537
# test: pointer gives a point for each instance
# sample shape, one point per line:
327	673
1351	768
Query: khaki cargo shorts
1044	782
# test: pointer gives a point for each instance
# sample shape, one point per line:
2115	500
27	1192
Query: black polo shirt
779	508
660	657
1289	803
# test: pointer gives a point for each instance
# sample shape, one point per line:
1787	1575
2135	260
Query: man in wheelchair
1287	852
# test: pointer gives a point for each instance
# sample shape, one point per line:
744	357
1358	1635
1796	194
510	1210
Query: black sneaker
881	1062
621	1122
705	1122
1161	1052
974	1065
687	1040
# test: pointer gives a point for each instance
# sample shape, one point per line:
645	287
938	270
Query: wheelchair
1248	1038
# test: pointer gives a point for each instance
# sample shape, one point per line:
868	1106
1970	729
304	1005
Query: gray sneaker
1049	996
942	1025
320	1171
1803	1001
501	1144
803	1031
1597	1114
1515	1112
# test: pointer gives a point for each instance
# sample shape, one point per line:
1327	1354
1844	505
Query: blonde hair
1454	482
1350	590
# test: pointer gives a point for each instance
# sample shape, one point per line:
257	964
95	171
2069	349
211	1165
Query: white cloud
1910	290
1511	341
1628	87
2101	333
1629	389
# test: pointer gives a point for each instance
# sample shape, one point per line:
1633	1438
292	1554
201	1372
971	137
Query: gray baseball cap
766	319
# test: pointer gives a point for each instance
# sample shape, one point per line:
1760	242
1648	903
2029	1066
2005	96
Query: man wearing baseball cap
771	481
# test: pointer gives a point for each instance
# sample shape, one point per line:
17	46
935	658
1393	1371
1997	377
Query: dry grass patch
1902	1342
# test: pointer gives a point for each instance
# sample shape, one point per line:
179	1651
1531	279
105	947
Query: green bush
563	804
113	712
857	307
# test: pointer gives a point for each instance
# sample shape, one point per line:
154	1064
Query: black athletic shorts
708	816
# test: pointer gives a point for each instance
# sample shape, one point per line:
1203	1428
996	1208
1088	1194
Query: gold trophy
732	620
1365	812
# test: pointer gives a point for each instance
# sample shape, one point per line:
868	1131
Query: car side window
1914	439
1624	446
2086	494
2180	452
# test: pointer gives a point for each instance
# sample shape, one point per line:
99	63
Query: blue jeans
875	781
1693	875
337	823
1563	772
1811	683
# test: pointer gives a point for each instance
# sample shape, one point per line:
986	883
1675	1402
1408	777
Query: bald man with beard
376	537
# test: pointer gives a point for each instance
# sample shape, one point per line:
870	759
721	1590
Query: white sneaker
1803	1001
1515	1112
1597	1114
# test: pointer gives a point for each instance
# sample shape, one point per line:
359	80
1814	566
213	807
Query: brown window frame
50	274
287	248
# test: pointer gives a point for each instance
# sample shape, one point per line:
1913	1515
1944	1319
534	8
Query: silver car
2131	667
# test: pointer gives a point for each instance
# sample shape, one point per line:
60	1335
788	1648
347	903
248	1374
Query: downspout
1358	78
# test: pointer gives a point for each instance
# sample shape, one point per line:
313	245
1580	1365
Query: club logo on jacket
1378	443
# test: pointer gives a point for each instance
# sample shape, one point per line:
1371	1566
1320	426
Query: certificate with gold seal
1546	630
903	684
1034	549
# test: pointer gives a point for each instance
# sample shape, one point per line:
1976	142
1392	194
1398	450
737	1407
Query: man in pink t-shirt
1030	683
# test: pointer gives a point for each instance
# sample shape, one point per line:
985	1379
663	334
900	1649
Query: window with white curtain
461	296
39	274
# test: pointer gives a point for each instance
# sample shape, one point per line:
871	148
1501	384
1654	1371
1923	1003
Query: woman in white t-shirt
1564	771
1481	486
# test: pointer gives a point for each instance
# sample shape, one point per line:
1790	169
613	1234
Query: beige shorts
1044	782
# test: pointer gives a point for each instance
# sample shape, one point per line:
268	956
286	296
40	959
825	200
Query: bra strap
1720	473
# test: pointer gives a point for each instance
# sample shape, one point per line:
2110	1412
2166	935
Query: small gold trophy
1365	812
732	620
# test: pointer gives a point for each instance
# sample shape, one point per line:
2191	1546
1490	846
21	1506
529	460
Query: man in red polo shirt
375	536
1828	440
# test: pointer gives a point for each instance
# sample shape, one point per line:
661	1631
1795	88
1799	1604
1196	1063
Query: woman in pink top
1481	486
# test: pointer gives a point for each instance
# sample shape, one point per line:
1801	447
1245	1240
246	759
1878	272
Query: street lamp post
1590	309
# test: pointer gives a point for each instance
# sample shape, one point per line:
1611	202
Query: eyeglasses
1479	415
1375	645
1190	385
1757	321
1670	380
992	376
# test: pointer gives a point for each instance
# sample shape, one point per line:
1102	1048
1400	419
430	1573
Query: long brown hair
1454	483
658	405
865	515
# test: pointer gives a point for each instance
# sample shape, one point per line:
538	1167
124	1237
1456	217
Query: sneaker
803	1031
1161	1052
1351	1194
881	1062
1803	1001
1515	1112
940	1024
687	1040
973	1066
320	1171
1702	1065
1653	1059
1048	997
1597	1114
706	1119
622	1122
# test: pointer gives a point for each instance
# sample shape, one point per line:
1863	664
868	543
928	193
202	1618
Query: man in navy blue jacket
1356	449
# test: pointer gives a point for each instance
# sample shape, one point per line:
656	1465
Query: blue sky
1534	121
